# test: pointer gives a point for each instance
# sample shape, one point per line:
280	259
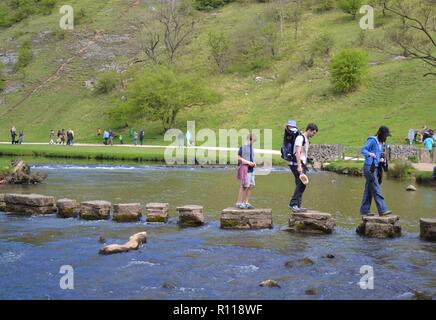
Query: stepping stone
95	210
127	212
428	229
29	204
157	212
2	202
233	218
380	227
312	222
67	208
190	216
134	243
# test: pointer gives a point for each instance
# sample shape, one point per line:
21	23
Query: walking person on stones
373	153
13	134
298	166
246	165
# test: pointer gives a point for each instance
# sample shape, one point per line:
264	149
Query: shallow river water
207	262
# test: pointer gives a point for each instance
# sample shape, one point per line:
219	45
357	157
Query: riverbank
118	153
397	170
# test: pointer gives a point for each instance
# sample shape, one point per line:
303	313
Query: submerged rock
190	216
134	243
233	218
311	222
380	227
269	284
311	291
427	229
169	285
95	210
127	212
299	263
418	295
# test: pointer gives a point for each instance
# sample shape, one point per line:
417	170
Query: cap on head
384	131
291	123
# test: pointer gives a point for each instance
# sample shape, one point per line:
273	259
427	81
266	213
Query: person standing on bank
298	166
246	165
373	153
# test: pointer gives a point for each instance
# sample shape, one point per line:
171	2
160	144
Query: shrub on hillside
207	5
350	6
106	82
323	5
347	69
13	11
322	45
400	170
24	55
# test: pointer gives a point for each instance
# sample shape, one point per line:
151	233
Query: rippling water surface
207	262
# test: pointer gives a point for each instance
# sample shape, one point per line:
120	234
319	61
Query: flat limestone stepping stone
30	200
380	227
95	210
190	216
127	212
134	243
427	229
312	222
29	204
157	212
67	208
2	202
234	218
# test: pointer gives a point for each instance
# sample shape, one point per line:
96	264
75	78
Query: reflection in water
207	262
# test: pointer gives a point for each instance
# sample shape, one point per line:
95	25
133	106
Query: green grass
5	166
345	167
89	154
394	93
425	177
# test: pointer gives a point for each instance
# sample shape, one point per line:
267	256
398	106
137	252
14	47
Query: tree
219	49
347	69
160	94
171	26
415	34
350	6
296	16
106	82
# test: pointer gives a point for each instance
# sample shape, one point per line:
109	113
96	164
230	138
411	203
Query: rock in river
190	216
127	212
311	222
233	218
157	212
29	204
428	229
67	208
134	243
380	227
95	210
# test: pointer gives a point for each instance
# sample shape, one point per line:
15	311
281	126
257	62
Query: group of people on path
295	150
62	137
14	139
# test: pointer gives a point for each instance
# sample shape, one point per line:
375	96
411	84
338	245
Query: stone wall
402	152
325	152
328	152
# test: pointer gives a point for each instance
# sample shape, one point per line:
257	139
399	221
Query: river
207	262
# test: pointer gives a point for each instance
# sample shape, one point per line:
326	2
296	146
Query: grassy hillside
49	96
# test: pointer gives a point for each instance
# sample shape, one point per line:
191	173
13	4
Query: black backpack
288	144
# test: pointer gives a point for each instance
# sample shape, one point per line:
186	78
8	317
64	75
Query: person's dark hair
383	133
312	127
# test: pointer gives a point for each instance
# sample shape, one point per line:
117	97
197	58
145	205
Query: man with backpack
295	149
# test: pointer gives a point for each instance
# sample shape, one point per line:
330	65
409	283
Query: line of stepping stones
312	222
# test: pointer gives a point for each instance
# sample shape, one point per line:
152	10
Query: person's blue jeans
372	190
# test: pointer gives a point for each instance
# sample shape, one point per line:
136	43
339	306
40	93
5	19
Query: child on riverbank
246	165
